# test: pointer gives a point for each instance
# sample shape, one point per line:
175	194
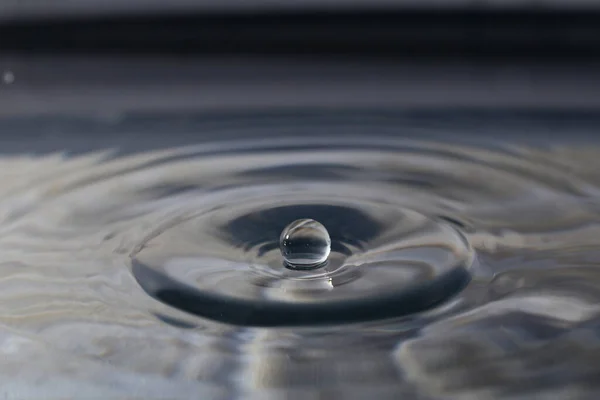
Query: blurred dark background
106	58
398	29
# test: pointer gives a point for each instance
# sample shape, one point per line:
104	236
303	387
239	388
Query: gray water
461	266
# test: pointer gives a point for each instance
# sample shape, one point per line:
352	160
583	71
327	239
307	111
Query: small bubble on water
305	243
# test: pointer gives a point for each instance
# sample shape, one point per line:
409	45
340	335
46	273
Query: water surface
463	258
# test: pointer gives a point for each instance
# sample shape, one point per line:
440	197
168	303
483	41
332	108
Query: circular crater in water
223	261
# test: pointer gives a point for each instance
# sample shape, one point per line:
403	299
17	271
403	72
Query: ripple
454	271
224	262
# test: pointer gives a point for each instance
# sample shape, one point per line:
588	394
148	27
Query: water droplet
305	243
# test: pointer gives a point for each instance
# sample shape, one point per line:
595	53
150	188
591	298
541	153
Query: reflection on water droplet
305	243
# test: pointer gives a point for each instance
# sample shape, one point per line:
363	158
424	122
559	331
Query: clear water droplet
305	243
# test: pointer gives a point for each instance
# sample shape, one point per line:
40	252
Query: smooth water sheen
435	270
